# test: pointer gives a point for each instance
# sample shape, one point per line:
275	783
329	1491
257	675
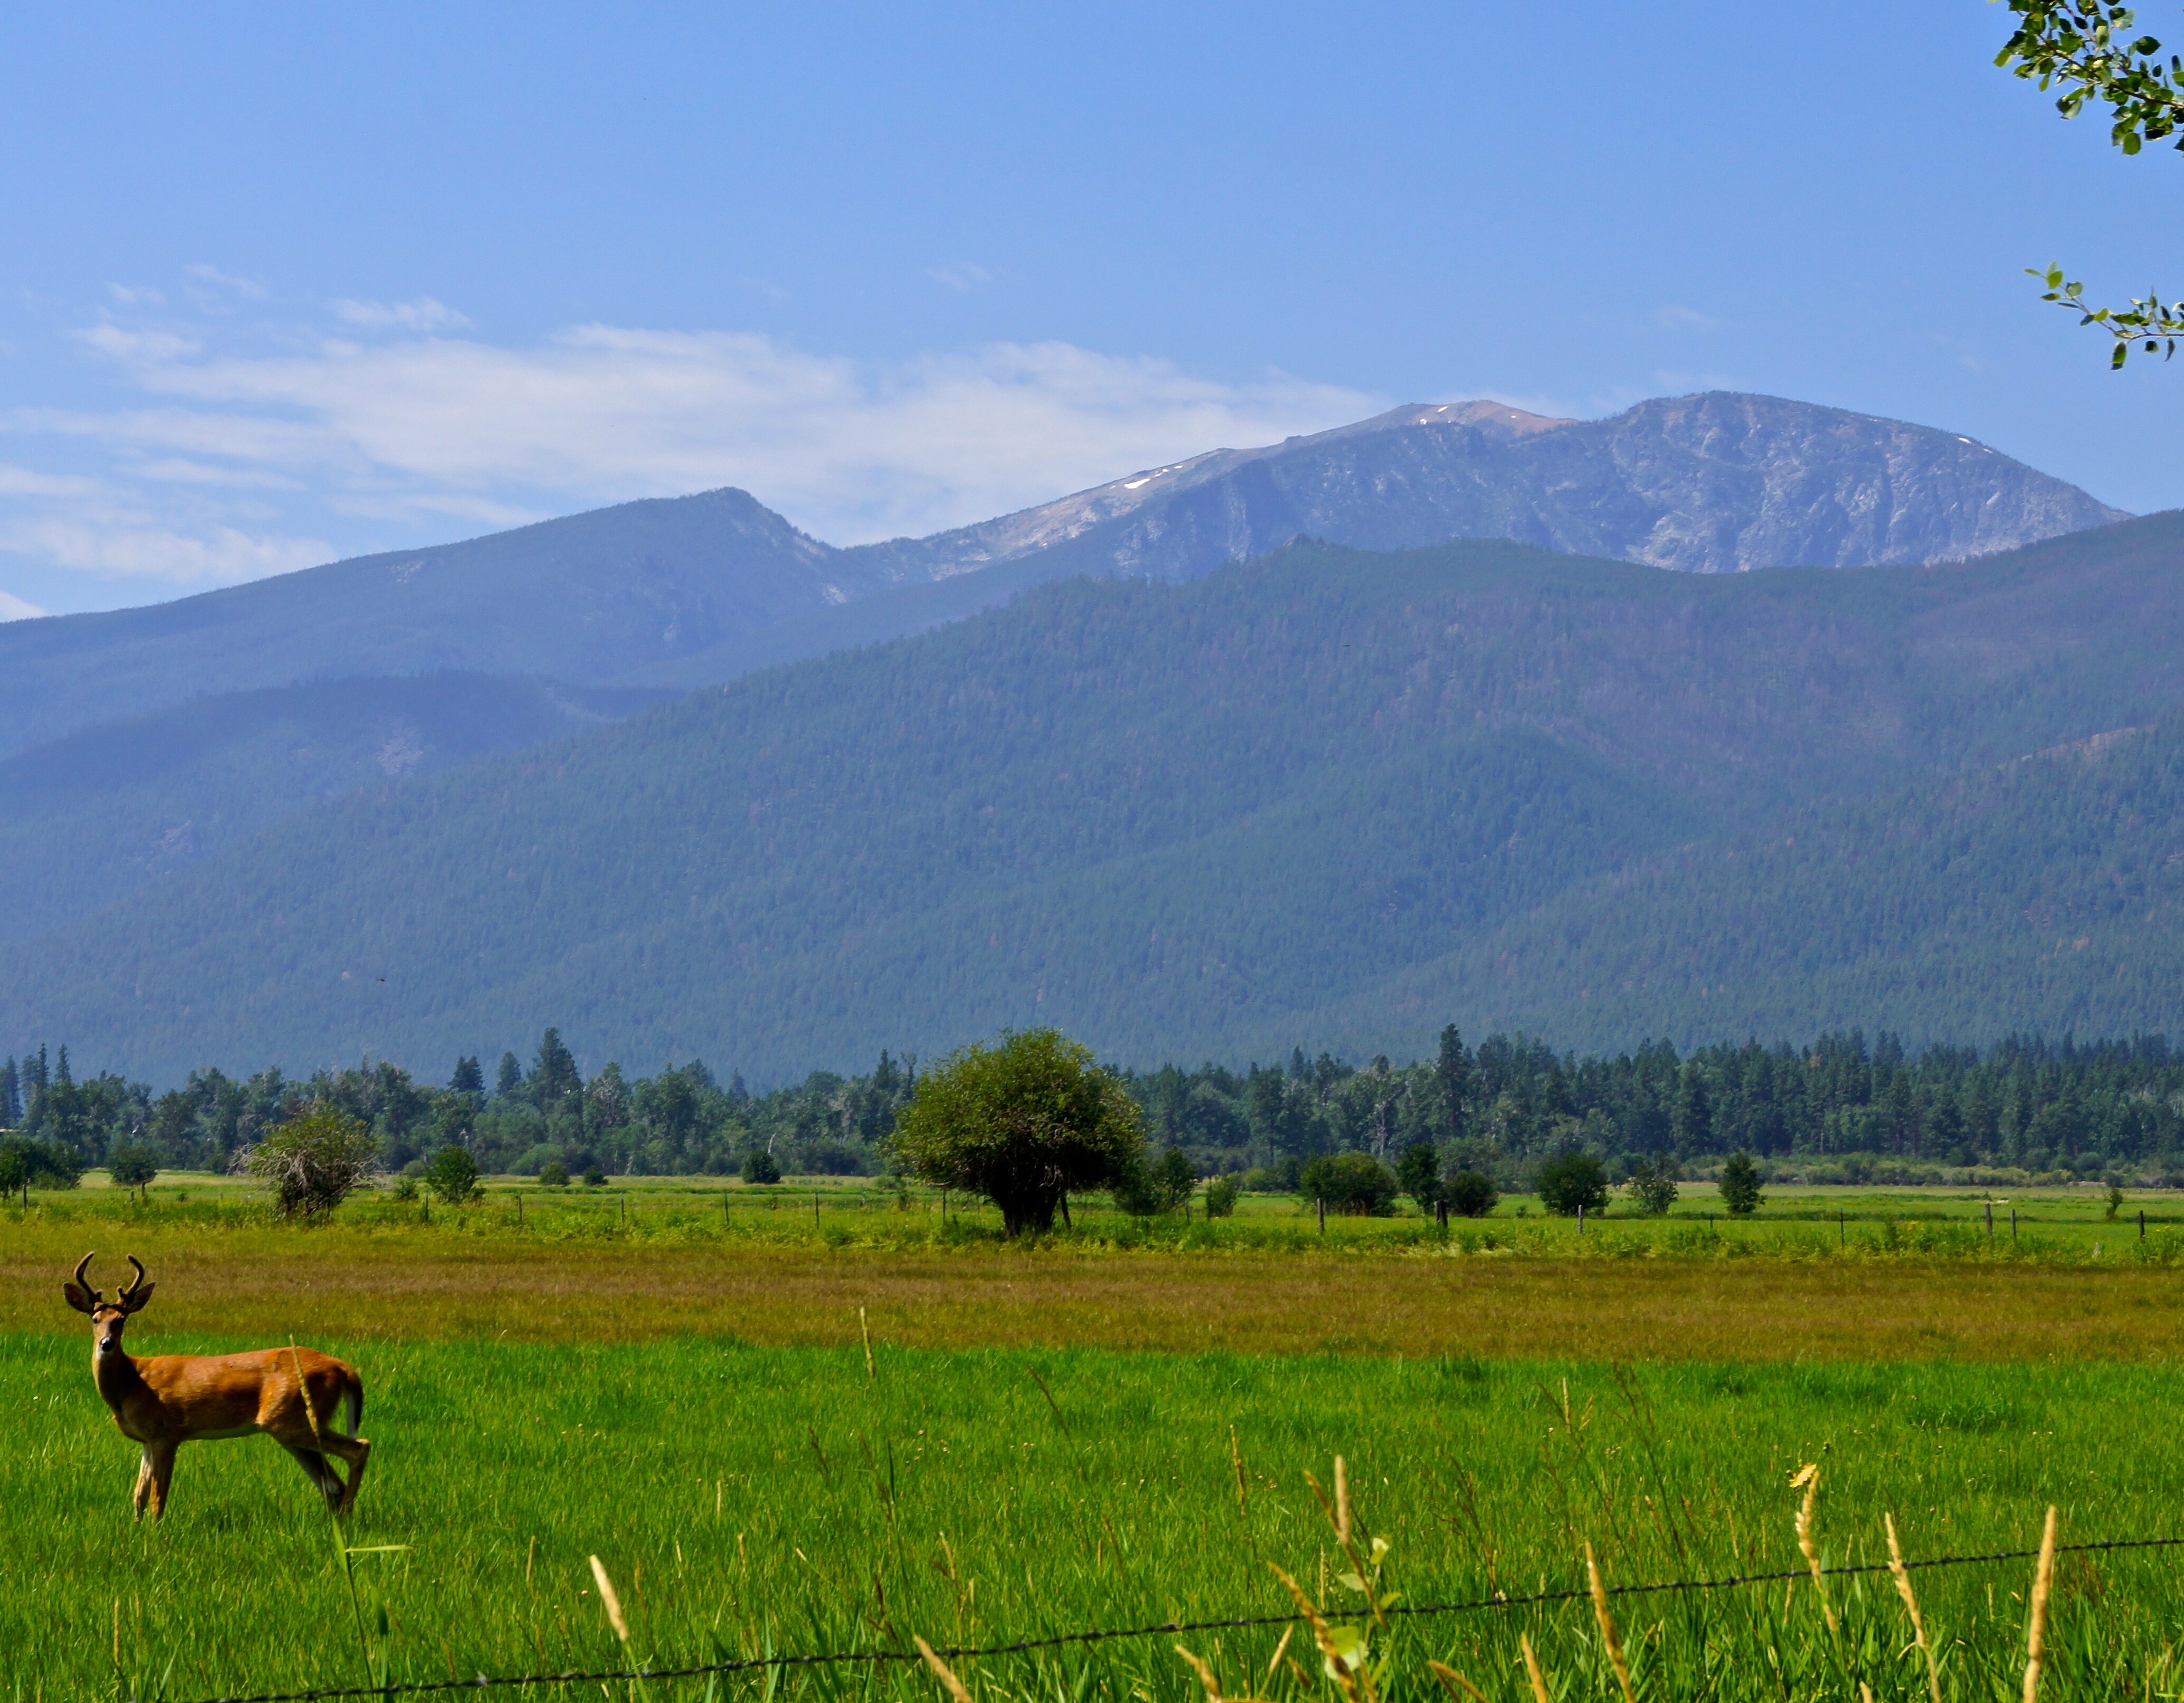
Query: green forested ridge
95	816
1837	1108
1328	795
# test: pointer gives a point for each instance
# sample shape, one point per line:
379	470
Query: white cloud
959	275
250	288
422	314
141	348
119	546
175	470
15	609
1687	319
135	296
24	482
422	425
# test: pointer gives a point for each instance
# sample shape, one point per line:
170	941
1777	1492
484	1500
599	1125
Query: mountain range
1181	800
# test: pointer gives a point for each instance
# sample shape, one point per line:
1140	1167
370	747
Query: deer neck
116	1377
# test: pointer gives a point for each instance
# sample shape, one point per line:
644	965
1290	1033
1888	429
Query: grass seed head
1532	1669
945	1673
2036	1623
1607	1625
609	1600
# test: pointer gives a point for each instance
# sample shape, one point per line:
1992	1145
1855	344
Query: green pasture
2065	1223
748	1500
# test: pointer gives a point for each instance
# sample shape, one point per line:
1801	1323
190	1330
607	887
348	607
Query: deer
163	1401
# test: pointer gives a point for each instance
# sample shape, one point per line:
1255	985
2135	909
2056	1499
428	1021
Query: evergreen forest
1839	1108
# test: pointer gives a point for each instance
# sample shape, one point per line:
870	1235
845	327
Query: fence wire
1100	1635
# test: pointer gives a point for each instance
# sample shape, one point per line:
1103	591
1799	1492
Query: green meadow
984	1476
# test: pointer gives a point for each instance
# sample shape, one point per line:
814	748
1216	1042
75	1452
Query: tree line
1841	1105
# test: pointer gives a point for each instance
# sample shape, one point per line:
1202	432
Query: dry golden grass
424	1285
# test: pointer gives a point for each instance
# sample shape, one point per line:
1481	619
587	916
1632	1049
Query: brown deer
166	1400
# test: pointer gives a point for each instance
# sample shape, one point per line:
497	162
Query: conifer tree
1454	1073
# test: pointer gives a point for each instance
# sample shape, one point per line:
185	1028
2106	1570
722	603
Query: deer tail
352	1398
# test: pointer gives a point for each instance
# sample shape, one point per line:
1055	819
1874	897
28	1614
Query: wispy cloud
414	426
25	481
250	289
125	546
13	608
959	275
422	314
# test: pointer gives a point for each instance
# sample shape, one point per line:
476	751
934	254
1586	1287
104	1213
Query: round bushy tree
132	1165
1022	1122
554	1174
311	1162
1472	1193
1739	1183
759	1167
1652	1185
1158	1185
1573	1180
1350	1183
453	1174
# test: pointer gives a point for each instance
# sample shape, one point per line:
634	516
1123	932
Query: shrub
1652	1185
1350	1183
310	1162
1572	1182
1471	1194
132	1165
1158	1185
595	1178
1418	1172
404	1189
1220	1194
1023	1122
1739	1183
453	1174
14	1169
760	1168
554	1174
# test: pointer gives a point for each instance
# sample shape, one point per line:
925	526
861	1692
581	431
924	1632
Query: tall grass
746	1501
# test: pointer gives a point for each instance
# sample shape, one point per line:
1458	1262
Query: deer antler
83	1282
135	1283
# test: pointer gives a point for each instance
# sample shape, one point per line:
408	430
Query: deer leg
159	1465
143	1493
322	1477
355	1451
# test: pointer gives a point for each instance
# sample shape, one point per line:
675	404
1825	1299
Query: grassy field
1042	1440
747	1499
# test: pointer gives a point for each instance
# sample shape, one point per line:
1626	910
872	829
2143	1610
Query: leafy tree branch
2086	48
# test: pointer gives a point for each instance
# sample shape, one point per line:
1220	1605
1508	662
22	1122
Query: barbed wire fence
482	1682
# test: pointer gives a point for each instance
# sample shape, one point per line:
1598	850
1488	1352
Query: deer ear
76	1297
137	1300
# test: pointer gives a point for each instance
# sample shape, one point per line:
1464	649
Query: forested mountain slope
1326	792
93	817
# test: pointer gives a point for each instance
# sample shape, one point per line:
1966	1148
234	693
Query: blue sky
289	285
